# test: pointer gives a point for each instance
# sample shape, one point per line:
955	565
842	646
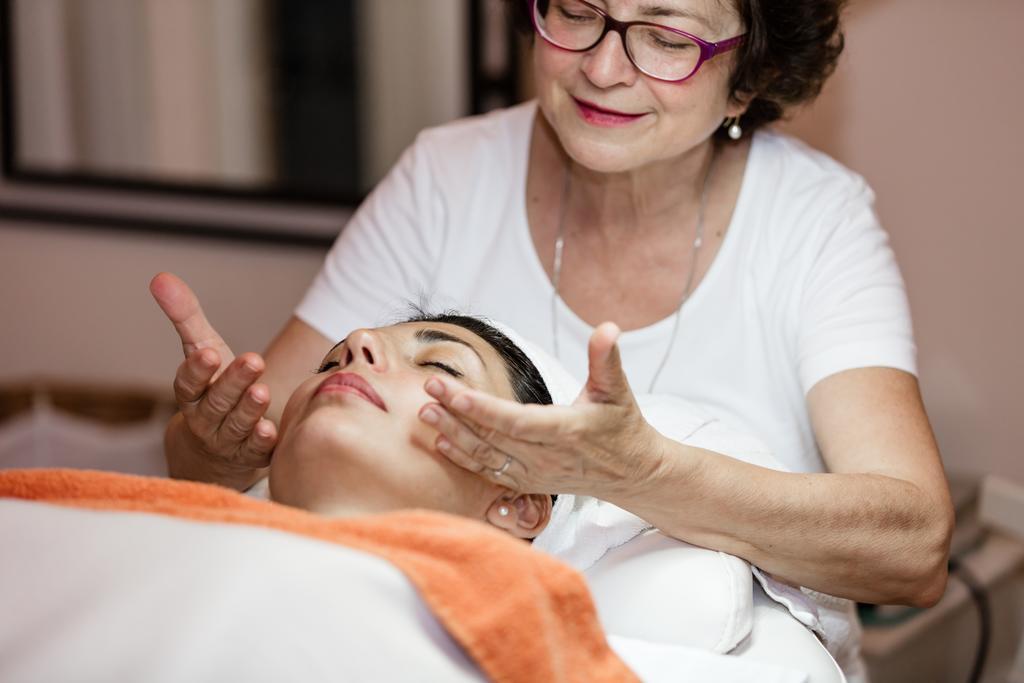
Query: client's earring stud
503	510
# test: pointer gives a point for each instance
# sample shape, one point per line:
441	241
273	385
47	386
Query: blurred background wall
926	105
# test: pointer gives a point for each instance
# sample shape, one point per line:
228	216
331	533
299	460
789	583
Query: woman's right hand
221	432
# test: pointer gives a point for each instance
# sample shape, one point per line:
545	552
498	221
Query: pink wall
927	106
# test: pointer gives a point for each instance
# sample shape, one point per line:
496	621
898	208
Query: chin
327	461
604	158
314	455
601	151
603	155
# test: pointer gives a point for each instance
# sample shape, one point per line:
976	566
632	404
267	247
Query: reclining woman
351	445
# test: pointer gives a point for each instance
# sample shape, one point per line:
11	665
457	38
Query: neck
652	197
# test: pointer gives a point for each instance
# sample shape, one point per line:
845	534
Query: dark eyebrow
429	336
662	11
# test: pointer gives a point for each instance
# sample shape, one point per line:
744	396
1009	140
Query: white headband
562	386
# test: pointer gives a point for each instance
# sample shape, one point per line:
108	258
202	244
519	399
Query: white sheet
100	596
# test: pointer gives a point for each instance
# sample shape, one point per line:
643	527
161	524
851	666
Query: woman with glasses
747	272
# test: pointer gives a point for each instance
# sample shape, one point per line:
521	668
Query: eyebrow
662	11
429	336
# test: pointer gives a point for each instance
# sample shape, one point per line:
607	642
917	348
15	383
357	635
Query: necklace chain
698	241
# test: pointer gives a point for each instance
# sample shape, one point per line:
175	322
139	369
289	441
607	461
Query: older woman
748	272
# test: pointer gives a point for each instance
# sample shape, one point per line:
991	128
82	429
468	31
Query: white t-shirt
805	284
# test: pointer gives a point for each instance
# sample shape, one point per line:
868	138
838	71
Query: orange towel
521	615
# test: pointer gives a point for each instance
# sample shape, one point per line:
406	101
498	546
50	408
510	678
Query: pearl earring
734	130
503	510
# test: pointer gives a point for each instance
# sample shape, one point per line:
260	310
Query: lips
602	116
349	382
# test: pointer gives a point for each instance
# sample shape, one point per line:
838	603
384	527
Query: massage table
94	595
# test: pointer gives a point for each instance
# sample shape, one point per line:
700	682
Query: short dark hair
527	384
791	48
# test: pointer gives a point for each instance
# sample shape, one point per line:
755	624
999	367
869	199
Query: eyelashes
327	365
444	368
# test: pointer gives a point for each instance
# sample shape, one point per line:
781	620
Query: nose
607	64
365	347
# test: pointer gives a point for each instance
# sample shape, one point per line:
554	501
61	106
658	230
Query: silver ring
504	467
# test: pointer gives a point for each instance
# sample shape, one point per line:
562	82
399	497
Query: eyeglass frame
708	50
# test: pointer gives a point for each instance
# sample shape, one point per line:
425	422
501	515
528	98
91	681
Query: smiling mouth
600	115
351	383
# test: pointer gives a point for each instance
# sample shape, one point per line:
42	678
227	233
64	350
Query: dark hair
791	49
527	384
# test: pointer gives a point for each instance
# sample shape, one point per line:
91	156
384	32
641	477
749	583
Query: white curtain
175	89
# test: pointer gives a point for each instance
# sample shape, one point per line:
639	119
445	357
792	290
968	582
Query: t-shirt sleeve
854	311
383	259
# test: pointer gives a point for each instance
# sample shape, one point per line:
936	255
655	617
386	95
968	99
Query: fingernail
444	445
434	387
430	416
461	403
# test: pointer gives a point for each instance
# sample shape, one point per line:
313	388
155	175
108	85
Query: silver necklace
698	241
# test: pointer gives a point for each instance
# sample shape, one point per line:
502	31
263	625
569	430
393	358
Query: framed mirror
295	107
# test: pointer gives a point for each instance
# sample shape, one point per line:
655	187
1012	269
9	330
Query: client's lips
351	383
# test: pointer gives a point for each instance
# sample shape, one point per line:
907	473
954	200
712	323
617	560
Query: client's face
351	441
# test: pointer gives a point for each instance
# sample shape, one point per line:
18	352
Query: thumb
606	382
180	305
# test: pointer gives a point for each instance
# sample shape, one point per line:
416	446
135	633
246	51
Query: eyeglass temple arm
726	45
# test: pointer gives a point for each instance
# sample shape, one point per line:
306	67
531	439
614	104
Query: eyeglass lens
658	52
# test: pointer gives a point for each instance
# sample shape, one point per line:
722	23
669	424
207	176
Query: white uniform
804	285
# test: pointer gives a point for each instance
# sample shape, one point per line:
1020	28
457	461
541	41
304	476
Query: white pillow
659	589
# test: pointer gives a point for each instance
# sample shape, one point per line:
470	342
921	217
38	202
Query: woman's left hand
598	446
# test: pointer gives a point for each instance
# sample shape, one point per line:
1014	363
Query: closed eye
327	365
441	366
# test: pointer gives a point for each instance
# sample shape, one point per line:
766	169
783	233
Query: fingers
460	443
194	376
260	444
211	408
497	418
181	306
239	424
606	381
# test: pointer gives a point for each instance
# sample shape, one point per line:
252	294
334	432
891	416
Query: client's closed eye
327	365
441	366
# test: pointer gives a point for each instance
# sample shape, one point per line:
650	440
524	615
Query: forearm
187	460
869	537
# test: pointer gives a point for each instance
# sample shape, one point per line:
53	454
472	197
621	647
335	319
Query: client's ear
525	514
